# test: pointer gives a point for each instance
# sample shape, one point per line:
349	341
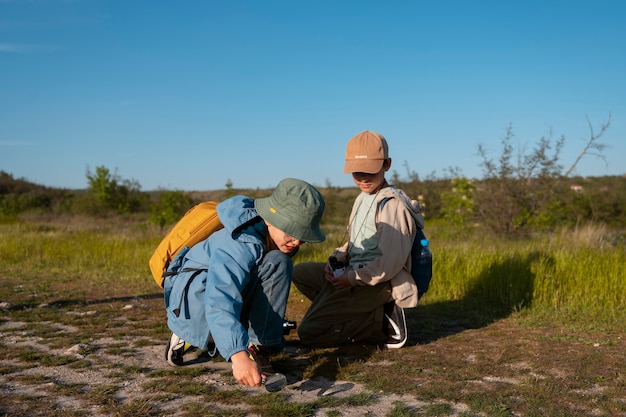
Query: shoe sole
398	334
173	357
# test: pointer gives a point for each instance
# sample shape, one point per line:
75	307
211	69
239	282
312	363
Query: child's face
284	242
371	183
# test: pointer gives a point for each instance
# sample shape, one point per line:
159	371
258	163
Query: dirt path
38	388
500	369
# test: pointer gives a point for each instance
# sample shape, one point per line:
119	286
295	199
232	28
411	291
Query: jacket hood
236	212
414	206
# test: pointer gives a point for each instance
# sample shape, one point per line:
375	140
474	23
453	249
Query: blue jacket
220	269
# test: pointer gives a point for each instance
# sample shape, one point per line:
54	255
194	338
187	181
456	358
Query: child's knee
275	263
309	273
320	334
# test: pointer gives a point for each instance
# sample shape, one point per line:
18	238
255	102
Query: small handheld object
271	381
274	382
288	326
338	267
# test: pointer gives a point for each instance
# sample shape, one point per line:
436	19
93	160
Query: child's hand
339	282
245	370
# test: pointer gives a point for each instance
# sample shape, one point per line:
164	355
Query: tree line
521	192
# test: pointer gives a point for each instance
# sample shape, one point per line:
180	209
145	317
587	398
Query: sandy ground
17	379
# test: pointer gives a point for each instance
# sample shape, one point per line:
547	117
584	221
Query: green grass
571	275
541	320
564	279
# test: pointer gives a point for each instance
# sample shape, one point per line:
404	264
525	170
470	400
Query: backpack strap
171	273
382	204
383	201
185	296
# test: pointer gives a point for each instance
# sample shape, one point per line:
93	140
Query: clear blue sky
189	94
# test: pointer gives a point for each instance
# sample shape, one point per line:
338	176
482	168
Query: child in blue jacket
231	289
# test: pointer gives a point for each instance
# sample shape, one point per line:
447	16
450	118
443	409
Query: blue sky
190	94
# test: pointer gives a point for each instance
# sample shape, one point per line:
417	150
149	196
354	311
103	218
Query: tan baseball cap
366	152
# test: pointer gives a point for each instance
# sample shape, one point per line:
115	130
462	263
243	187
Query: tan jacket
396	226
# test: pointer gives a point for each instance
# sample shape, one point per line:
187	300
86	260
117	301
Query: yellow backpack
196	225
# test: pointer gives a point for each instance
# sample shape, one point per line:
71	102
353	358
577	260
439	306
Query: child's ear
387	164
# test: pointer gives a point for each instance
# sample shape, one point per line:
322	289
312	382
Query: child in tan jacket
364	302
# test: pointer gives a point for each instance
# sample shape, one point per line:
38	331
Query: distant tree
519	190
170	208
458	202
17	195
599	199
592	147
230	192
102	185
112	193
427	191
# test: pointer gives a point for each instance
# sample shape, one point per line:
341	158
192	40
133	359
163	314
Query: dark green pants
337	317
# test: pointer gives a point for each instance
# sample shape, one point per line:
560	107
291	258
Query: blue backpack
421	260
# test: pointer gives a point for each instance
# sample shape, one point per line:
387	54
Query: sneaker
396	326
261	356
211	349
174	350
210	352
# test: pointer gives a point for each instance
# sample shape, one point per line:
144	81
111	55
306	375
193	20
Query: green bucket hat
296	208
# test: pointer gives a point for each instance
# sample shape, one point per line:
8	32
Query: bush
170	208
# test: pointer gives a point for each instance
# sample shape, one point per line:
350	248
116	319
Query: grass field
525	328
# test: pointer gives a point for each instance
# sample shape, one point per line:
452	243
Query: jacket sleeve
229	272
396	230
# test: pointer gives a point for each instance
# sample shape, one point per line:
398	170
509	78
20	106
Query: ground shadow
317	369
493	294
85	302
497	291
